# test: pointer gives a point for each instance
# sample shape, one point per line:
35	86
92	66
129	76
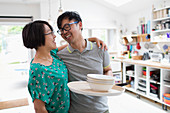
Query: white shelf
141	93
166	104
142	78
154	98
130	89
130	35
161	8
130	75
160	40
163	86
157	31
167	84
153	81
160	19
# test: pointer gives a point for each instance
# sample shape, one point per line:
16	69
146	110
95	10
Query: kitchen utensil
151	45
146	56
100	77
146	45
98	82
99	86
148	36
125	41
131	47
138	46
165	47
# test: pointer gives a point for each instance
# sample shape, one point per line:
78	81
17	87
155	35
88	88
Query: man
82	57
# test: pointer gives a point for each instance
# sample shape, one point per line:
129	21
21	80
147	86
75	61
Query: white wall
94	15
12	9
132	21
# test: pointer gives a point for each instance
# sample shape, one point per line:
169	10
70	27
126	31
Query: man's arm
108	71
39	106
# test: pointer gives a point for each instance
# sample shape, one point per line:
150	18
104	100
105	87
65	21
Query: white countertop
145	63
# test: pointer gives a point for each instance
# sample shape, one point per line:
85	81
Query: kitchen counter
144	63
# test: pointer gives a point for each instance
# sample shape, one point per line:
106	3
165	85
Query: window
101	34
107	35
14	59
85	33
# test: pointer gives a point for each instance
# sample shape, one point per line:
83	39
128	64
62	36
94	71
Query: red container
144	72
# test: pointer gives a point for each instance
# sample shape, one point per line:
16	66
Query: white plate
82	87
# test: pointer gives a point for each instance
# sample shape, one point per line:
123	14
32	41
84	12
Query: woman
48	75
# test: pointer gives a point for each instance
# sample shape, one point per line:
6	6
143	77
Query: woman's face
49	38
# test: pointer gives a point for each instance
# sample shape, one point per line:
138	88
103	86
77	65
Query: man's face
70	30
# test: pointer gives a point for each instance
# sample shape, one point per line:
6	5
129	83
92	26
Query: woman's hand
39	106
62	47
98	42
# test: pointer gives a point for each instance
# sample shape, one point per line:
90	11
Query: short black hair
70	15
33	34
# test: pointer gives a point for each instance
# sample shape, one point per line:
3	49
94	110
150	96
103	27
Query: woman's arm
98	42
62	47
39	106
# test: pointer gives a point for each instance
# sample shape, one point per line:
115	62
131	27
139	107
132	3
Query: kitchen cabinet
142	80
117	72
161	25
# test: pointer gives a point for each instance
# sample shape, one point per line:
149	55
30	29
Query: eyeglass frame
50	33
62	29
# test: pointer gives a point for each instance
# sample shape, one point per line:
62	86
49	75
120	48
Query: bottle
129	55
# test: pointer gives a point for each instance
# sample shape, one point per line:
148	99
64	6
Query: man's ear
80	25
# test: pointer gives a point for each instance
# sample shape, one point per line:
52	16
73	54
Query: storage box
137	57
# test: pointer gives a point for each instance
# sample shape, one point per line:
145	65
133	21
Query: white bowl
100	81
100	87
100	77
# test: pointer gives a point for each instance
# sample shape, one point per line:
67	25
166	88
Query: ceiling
129	8
132	7
20	1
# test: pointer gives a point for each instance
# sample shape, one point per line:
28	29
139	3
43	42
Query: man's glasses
50	33
66	27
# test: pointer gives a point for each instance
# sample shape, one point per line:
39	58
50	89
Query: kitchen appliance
146	56
156	57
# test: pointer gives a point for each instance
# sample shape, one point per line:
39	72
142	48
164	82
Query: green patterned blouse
49	84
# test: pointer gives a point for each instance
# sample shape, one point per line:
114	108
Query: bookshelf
160	25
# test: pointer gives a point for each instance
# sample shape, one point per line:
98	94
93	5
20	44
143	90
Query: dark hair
70	15
33	34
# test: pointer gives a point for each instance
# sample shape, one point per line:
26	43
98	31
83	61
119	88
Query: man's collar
88	47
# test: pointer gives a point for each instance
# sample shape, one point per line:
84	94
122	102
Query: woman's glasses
66	27
50	33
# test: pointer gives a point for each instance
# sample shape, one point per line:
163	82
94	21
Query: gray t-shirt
91	61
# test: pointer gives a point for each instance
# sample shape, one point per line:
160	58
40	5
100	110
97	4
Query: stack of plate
99	82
